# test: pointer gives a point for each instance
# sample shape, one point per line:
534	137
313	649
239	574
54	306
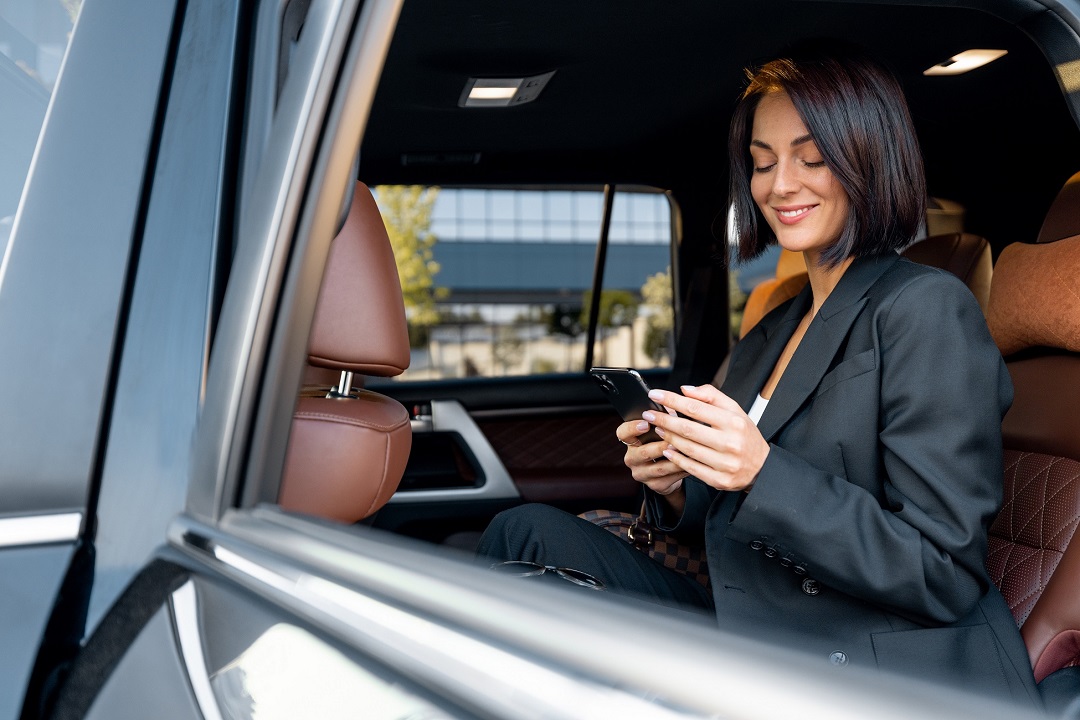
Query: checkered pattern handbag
660	546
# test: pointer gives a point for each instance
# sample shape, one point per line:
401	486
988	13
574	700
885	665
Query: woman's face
801	199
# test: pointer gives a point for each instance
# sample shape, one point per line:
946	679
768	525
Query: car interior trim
451	416
185	615
40	529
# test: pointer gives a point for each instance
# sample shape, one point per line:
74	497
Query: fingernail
660	432
656	394
684	388
668	453
642	426
648	415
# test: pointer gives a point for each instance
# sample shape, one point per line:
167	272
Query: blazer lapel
757	353
819	346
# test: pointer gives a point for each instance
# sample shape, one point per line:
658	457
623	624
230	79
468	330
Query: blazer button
799	570
838	658
810	586
756	544
785	562
770	552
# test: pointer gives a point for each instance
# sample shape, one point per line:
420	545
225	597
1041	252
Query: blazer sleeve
921	552
688	527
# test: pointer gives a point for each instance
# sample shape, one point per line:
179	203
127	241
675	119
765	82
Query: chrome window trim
493	678
369	590
451	416
185	616
40	529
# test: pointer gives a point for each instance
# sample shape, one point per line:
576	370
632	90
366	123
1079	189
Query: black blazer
863	538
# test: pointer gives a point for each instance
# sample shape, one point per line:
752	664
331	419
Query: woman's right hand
647	462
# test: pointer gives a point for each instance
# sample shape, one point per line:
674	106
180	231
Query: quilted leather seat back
1034	315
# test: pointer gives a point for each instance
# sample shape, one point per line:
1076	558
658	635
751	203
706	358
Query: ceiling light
502	92
967	60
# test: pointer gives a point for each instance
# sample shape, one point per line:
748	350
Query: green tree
406	211
660	321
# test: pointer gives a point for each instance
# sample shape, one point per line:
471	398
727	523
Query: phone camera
607	385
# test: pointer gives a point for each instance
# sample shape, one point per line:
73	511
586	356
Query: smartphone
629	394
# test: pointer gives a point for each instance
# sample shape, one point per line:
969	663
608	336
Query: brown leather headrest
1063	217
1035	297
360	317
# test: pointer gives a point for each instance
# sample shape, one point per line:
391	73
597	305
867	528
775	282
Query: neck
823	279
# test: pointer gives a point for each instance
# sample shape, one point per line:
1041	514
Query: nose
785	179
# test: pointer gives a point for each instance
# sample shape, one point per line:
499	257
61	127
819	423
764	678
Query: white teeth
793	213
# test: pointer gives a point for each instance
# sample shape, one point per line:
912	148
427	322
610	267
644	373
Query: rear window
497	282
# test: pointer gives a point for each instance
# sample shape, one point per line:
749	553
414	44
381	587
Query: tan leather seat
965	255
347	451
947	247
789	280
1034	315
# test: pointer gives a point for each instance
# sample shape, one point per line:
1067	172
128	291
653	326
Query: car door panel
63	284
30	574
552	437
149	681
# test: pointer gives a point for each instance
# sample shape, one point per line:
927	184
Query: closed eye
764	168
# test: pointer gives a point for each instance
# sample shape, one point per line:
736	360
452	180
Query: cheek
759	188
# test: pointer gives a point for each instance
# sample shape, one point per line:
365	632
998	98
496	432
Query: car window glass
497	282
33	39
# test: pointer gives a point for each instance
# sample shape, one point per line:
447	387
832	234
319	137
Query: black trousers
549	536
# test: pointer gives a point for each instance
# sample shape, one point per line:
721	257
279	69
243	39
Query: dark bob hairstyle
855	110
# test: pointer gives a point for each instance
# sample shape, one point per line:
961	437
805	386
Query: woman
844	476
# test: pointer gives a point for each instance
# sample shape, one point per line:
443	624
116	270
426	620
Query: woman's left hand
723	448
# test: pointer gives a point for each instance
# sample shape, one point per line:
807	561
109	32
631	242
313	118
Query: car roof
643	91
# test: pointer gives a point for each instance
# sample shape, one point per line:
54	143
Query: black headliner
643	90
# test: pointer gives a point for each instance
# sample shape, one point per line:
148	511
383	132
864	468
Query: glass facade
510	275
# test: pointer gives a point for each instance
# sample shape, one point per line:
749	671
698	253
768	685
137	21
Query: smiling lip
790	215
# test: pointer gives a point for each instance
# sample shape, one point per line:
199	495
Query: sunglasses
524	568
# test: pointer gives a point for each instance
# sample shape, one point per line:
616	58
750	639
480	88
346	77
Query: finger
628	433
699	430
690	407
647	462
661	473
711	395
704	445
708	475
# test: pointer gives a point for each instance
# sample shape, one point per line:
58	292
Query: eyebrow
794	143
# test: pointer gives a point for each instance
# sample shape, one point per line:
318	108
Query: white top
757	409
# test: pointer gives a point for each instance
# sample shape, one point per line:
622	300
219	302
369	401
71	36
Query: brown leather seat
1034	315
965	255
348	447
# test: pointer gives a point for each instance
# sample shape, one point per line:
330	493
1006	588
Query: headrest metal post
344	386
